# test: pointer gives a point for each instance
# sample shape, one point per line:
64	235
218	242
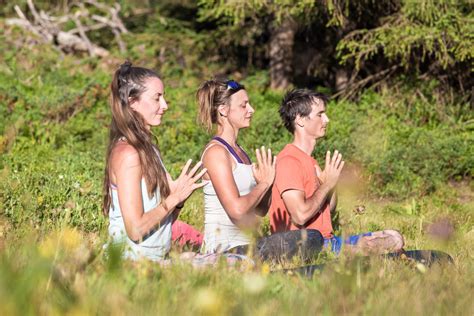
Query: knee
311	244
398	239
315	238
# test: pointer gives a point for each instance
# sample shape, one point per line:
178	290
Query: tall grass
66	271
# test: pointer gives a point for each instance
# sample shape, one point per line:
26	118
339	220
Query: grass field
66	271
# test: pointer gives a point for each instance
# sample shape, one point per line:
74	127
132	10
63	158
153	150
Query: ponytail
210	95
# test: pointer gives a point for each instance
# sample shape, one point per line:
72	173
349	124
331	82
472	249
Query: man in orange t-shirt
303	195
296	171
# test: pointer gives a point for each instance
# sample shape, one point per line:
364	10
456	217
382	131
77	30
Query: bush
406	156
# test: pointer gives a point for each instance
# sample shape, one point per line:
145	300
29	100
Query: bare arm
127	172
302	209
241	209
179	207
262	208
333	201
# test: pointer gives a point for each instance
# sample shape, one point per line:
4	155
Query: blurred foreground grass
65	271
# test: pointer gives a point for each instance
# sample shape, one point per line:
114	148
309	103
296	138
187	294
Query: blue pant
336	242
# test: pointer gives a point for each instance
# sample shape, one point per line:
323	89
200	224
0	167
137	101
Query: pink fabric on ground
183	234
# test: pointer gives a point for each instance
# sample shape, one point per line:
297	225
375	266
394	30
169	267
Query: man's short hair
298	102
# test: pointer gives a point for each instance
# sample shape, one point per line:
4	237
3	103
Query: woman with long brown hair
237	192
140	197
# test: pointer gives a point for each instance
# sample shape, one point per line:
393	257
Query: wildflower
421	267
359	209
254	283
208	302
265	269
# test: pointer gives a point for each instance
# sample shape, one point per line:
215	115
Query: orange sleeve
289	175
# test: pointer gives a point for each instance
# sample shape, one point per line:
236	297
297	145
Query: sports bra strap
231	150
245	153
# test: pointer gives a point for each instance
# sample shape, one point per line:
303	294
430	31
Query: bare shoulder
124	155
215	153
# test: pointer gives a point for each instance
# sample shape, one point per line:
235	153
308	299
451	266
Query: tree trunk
281	54
342	79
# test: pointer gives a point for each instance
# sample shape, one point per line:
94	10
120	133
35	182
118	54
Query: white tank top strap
159	157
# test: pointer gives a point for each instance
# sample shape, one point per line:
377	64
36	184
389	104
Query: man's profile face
316	122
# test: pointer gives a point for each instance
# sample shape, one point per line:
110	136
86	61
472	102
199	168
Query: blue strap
231	150
245	153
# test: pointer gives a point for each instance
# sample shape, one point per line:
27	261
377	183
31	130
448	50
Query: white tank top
156	244
220	233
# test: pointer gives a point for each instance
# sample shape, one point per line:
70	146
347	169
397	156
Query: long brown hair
127	86
210	95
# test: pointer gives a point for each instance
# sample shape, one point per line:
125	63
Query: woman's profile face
151	103
239	112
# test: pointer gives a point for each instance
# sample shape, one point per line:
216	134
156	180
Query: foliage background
409	137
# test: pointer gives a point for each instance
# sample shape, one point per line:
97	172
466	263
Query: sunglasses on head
234	85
